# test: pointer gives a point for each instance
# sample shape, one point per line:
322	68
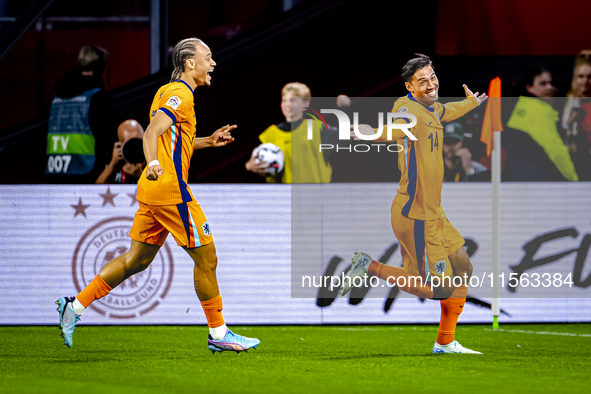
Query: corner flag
491	131
492	115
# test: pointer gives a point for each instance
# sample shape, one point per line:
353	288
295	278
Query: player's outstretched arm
457	109
220	137
158	126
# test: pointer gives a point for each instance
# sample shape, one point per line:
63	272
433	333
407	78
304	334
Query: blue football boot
233	342
68	319
359	266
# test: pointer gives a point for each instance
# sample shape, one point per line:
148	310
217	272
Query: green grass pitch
296	359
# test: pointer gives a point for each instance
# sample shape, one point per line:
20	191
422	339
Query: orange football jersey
421	162
175	147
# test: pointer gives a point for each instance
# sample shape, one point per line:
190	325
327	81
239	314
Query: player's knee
205	258
464	269
461	264
209	262
443	292
469	269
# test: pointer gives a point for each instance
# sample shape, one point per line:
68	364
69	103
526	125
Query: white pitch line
542	332
385	328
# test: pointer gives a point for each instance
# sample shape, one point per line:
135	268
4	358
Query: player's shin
215	320
400	278
450	312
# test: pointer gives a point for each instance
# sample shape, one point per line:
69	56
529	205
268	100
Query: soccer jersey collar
410	96
186	84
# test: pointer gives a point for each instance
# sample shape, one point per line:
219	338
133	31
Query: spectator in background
535	82
535	150
81	132
459	166
127	161
313	166
472	125
576	116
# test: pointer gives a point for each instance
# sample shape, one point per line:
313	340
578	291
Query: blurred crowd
546	137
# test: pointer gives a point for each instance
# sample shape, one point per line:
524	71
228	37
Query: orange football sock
95	290
450	312
392	275
213	311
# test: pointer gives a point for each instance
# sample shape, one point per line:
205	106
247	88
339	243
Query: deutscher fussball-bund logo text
137	295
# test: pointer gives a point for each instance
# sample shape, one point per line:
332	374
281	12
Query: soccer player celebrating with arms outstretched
166	203
429	244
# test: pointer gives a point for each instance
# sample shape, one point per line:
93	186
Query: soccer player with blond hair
167	204
429	244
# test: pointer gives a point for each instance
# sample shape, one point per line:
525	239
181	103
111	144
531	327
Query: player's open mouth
431	93
209	76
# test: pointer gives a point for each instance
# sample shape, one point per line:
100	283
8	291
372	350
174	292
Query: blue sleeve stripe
443	113
407	121
412	178
178	166
419	233
170	114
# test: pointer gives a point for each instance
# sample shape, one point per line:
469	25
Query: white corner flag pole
496	228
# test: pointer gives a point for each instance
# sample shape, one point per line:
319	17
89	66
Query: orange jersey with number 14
421	162
175	147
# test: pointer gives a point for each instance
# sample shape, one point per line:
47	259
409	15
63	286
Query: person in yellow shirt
429	244
303	162
532	137
167	204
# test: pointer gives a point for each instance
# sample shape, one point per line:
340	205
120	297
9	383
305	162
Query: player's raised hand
222	136
152	173
478	98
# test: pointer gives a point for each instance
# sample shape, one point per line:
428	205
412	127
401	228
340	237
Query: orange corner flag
492	115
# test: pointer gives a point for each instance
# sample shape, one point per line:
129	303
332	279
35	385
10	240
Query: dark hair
527	78
184	50
93	58
414	64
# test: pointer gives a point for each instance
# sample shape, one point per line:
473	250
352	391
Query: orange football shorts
426	244
186	222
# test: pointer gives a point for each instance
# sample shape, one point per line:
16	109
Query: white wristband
153	163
